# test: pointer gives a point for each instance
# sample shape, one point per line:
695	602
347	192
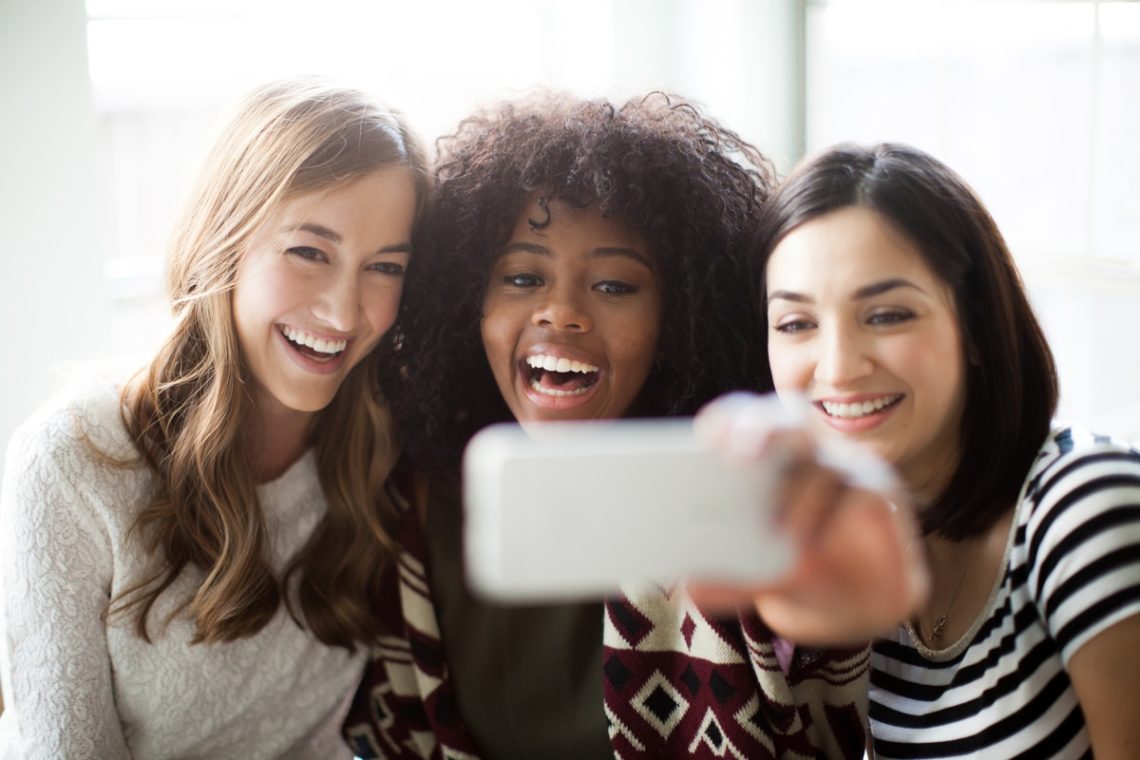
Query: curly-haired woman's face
319	285
571	315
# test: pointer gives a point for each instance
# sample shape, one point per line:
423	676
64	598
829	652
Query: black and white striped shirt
1072	570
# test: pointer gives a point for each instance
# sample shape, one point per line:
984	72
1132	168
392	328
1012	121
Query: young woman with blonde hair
187	557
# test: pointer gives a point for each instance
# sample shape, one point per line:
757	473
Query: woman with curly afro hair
688	186
580	260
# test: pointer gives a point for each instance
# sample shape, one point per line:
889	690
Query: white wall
52	301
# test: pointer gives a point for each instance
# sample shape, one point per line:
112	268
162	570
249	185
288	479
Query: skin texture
583	288
1106	676
856	316
330	265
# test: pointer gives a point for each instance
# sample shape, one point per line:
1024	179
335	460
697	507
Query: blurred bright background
109	104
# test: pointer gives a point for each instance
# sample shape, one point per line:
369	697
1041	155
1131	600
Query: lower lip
859	424
557	403
308	363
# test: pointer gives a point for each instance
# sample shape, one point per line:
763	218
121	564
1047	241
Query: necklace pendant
939	627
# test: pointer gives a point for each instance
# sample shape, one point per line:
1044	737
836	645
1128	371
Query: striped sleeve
1083	539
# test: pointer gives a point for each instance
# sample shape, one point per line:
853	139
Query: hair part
690	186
1011	380
188	410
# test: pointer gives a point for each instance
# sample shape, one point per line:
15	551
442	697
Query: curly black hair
691	187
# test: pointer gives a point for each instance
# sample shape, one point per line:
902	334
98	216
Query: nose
339	303
842	357
562	309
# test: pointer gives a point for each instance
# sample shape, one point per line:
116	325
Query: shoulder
88	410
1074	464
77	434
1078	535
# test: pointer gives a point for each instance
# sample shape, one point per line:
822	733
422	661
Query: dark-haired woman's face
860	324
571	315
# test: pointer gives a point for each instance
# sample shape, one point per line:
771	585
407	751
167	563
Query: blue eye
615	287
306	252
390	268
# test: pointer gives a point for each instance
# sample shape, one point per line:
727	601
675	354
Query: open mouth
308	345
858	409
559	376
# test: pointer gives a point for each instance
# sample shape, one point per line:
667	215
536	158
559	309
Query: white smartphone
574	510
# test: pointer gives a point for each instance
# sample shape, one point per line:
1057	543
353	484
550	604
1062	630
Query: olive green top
528	679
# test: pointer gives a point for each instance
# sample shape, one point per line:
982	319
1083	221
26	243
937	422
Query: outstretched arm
859	570
1106	676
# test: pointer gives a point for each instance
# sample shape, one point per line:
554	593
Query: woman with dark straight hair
892	302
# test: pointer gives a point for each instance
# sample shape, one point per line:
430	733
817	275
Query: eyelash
615	288
794	326
390	268
606	287
522	280
891	317
878	319
308	253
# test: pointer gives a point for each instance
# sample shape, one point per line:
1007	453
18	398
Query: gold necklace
939	628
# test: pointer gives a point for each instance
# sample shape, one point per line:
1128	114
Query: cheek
789	366
639	338
499	328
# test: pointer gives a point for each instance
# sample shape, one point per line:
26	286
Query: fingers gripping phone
577	509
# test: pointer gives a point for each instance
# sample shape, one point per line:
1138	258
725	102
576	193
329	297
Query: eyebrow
867	291
602	252
335	237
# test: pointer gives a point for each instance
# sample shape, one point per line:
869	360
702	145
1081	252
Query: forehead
561	225
843	250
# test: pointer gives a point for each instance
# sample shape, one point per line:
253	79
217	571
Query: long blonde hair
188	410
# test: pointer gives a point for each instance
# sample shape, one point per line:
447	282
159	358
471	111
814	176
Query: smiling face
860	324
571	315
318	286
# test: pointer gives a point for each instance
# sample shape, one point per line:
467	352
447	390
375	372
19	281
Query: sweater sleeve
55	577
1083	539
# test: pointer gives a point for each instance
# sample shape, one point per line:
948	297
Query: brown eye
307	252
890	317
794	326
390	268
615	287
522	280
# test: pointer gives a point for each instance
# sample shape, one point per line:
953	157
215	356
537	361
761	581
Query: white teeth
858	408
555	391
320	345
556	364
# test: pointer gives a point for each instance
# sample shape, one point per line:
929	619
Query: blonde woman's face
319	285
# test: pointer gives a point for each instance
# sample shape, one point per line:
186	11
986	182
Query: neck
963	574
278	438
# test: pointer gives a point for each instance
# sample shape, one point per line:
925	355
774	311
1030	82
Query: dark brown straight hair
1011	380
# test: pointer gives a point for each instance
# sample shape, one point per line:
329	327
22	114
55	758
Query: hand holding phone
577	509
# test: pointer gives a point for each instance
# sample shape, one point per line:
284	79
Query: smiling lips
557	377
859	408
311	347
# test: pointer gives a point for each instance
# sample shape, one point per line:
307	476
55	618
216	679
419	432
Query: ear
972	356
